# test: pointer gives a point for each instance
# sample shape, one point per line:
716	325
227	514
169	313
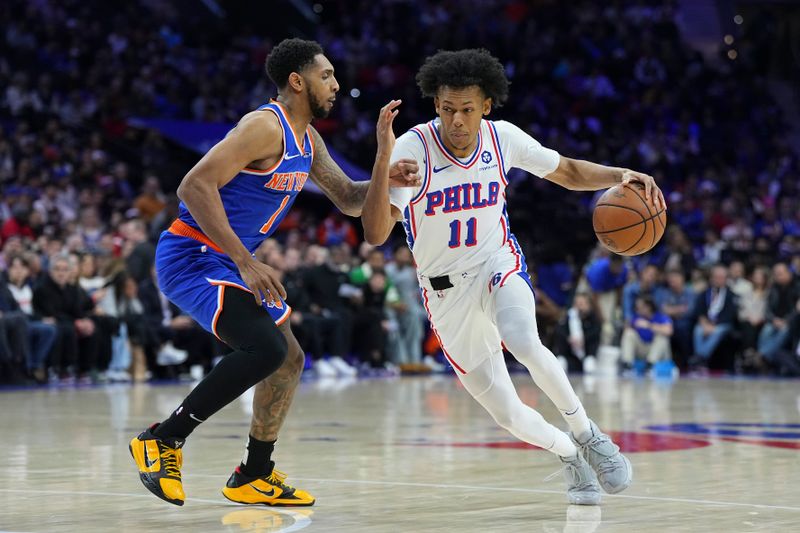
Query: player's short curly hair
290	55
464	68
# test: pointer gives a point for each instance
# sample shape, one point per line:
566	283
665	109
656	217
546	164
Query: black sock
257	460
180	423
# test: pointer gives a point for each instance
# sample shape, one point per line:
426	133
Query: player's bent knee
270	354
521	343
250	329
295	357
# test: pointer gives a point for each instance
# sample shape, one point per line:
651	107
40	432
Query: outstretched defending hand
262	280
650	187
384	129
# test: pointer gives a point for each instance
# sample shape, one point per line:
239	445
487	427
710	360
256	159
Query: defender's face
322	86
460	110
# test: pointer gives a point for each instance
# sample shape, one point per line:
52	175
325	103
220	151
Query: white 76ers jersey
457	219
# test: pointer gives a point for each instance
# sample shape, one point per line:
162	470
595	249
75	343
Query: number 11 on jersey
455	233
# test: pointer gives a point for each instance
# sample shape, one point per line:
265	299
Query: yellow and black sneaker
159	461
267	490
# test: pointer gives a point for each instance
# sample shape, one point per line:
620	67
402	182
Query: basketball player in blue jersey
472	271
231	201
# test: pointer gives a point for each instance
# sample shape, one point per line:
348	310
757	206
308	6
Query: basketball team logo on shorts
495	279
277	304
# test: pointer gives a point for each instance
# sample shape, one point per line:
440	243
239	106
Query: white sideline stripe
421	485
544	491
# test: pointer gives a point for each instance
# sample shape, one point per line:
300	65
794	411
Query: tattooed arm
346	194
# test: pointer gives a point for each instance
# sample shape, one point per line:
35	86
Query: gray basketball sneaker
614	470
582	487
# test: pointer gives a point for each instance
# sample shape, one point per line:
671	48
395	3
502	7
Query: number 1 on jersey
268	225
455	233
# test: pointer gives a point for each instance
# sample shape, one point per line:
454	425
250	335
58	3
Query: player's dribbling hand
384	130
404	173
262	280
650	187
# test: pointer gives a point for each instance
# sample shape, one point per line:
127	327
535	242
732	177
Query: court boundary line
422	485
545	491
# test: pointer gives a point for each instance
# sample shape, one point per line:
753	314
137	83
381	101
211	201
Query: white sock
563	446
578	421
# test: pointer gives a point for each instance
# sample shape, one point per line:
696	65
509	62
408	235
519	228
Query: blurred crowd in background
84	194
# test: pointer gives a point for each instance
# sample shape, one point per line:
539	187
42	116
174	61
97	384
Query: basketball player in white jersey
471	269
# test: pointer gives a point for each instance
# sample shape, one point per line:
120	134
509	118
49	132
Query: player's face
322	86
460	110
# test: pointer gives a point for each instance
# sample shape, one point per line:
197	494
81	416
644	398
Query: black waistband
440	283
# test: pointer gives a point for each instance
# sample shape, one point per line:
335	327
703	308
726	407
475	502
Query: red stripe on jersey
450	359
428	166
513	251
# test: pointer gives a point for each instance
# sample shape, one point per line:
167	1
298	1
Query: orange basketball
625	222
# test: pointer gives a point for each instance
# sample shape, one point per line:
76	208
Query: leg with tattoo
271	402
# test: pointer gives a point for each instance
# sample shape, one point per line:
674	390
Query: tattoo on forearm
273	396
345	193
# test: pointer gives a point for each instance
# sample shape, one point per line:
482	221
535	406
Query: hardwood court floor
411	455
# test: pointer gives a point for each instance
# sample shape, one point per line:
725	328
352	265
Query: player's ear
487	106
296	82
436	104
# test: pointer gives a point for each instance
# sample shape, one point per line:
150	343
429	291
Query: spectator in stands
330	291
606	277
336	229
646	285
304	324
555	276
175	336
787	360
752	314
679	253
781	302
89	278
677	300
41	332
91	227
151	201
737	280
375	262
716	310
647	338
139	252
578	337
409	312
711	250
14	347
769	226
17	225
370	320
58	300
739	236
121	301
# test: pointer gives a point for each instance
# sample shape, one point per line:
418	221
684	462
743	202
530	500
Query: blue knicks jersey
256	201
